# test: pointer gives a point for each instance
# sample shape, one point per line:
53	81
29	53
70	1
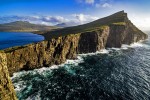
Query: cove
10	39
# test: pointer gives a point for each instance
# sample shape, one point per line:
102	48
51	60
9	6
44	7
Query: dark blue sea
111	74
10	39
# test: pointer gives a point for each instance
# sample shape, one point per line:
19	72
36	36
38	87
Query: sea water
111	74
10	39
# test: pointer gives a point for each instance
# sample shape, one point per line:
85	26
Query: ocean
10	39
111	74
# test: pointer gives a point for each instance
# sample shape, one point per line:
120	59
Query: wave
42	70
133	45
119	68
103	51
80	58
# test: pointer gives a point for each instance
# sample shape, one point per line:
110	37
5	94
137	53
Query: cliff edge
62	44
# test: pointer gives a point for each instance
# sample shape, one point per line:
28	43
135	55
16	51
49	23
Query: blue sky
52	12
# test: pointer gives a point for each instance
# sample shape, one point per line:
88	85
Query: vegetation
119	23
98	24
14	48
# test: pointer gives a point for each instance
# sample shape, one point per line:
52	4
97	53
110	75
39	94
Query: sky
73	12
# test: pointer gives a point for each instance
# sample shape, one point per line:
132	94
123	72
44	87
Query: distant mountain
24	26
62	25
68	24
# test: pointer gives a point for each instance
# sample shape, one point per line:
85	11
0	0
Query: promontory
66	43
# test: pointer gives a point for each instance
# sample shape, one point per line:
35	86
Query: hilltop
119	18
24	26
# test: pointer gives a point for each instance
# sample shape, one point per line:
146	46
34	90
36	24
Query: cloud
98	3
54	19
90	1
82	18
47	20
106	5
75	19
86	1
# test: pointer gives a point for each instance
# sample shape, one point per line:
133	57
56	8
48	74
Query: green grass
119	23
92	26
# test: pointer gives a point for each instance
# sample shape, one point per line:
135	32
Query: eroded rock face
6	87
43	54
93	41
124	34
55	50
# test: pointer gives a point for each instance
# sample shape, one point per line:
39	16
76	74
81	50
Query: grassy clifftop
120	17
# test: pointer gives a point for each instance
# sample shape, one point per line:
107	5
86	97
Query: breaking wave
111	74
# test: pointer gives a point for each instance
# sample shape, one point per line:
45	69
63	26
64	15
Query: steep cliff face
45	53
111	31
6	87
55	51
59	47
93	41
124	33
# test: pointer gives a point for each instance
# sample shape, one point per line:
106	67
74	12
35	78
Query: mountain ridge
116	18
24	26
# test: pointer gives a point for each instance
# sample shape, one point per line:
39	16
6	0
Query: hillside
24	26
119	18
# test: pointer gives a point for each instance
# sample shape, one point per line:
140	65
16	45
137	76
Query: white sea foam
134	45
79	59
104	51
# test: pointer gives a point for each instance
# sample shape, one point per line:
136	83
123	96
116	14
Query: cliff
6	88
111	31
62	44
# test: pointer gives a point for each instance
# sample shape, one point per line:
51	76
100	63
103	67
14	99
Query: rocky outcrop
6	87
124	33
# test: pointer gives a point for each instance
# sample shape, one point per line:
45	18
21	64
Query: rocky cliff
62	44
112	31
6	88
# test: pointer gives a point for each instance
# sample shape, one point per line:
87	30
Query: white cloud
75	19
103	5
82	18
106	5
90	1
86	1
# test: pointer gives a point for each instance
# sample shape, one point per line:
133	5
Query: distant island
24	26
65	43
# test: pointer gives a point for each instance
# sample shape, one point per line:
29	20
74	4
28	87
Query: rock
6	87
